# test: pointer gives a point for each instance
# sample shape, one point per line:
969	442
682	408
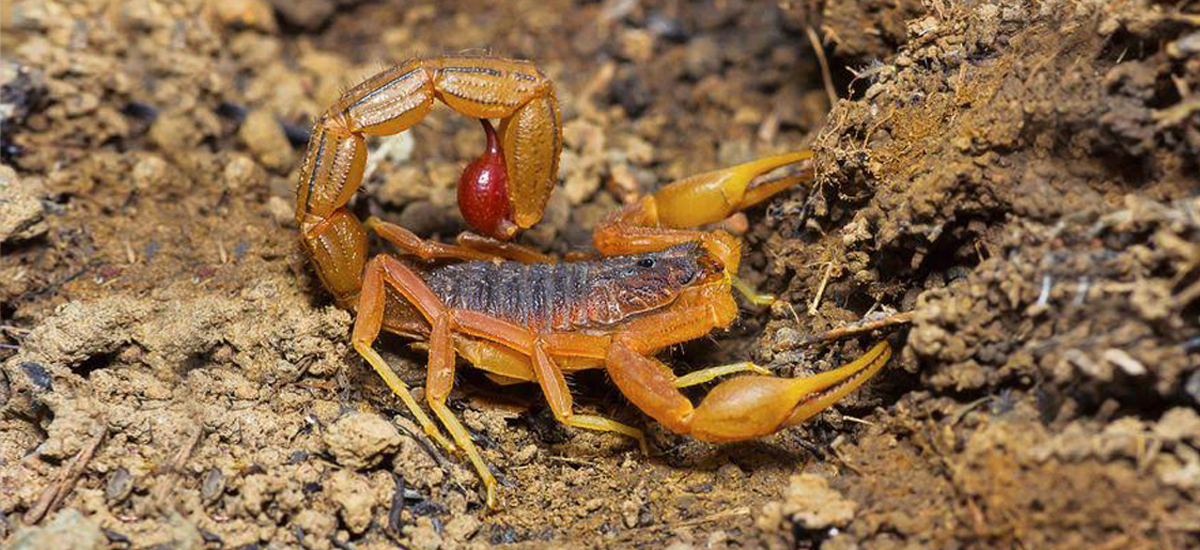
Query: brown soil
1021	176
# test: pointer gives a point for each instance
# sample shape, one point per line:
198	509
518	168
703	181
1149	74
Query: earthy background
1021	176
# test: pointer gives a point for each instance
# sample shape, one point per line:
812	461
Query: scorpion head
628	285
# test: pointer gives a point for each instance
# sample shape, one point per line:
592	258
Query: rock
354	498
242	174
426	218
255	14
404	185
79	331
20	210
636	45
152	175
809	502
360	440
579	186
462	528
702	57
306	14
282	211
1179	424
264	136
69	530
630	511
175	133
316	523
22	91
423	536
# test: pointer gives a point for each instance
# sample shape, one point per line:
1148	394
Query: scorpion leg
411	244
502	249
470	245
438	385
712	373
548	375
440	372
367	323
558	395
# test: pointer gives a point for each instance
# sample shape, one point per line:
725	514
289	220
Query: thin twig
427	446
185	452
726	514
54	495
574	461
812	308
842	332
826	77
958	416
857	420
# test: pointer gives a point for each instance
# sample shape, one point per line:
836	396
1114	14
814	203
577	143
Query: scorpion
517	314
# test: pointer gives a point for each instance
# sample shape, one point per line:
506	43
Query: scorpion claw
752	406
740	408
714	196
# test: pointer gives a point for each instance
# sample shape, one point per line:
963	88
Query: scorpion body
568	296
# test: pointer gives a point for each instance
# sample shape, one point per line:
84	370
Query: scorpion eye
646	263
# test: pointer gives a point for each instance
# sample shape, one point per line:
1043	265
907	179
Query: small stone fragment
462	528
423	536
359	440
810	502
213	485
119	486
354	498
175	133
629	513
69	530
264	136
255	14
282	211
20	211
1179	424
637	45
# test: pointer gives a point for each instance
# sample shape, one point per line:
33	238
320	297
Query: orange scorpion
517	314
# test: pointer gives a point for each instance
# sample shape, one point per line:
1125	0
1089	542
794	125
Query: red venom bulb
483	190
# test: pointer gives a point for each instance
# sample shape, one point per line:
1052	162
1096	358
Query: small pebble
38	375
263	135
213	485
354	498
360	440
120	485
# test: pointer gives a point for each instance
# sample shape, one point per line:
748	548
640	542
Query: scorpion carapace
569	296
656	283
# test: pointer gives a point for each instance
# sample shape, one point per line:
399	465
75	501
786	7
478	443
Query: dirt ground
1021	177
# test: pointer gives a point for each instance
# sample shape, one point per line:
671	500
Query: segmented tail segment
394	100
